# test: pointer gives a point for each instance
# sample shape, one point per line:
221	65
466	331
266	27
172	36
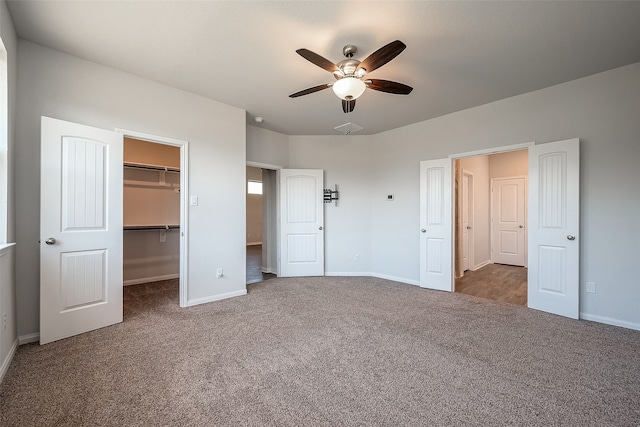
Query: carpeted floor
329	351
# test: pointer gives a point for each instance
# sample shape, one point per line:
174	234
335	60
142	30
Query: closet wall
151	212
254	209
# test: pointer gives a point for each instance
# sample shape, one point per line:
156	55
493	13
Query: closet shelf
151	227
150	167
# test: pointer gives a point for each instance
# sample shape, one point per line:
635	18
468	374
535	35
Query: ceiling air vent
348	128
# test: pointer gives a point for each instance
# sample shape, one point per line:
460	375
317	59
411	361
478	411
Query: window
254	187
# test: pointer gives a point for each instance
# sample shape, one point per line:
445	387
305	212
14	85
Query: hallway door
301	222
508	207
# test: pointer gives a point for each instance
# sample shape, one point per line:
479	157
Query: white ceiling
242	53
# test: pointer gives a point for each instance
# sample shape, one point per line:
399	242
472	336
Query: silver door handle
320	228
423	230
50	241
571	237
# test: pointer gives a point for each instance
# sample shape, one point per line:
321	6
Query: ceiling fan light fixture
349	88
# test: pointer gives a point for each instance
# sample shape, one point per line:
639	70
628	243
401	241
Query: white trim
184	203
396	279
150	279
4	247
482	264
268	271
7	360
26	339
495	150
263	165
370	274
218	297
348	273
610	321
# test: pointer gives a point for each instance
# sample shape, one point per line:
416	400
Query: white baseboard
26	339
150	279
348	273
218	297
7	360
268	270
482	264
370	274
397	279
610	321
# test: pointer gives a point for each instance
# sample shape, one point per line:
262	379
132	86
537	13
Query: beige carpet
329	352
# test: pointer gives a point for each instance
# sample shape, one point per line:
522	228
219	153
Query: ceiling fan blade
318	60
383	55
389	86
310	90
348	106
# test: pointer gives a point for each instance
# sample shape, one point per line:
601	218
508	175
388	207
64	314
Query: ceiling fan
350	74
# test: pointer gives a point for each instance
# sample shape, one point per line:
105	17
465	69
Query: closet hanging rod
151	227
151	167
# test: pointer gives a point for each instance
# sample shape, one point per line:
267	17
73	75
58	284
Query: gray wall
8	336
64	87
601	110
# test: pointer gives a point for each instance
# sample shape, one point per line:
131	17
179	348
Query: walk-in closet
151	212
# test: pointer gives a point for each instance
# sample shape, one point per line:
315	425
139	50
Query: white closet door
81	229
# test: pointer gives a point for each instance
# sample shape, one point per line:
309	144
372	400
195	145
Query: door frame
184	202
483	152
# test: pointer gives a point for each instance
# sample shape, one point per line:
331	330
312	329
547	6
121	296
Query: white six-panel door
80	229
435	222
301	222
554	227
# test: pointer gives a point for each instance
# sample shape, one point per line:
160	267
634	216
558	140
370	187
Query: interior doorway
490	230
261	230
155	197
151	216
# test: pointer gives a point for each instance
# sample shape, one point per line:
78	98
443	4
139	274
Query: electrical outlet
4	321
591	287
356	257
163	236
219	273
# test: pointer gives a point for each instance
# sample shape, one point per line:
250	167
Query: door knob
50	241
423	230
468	228
520	226
571	237
320	228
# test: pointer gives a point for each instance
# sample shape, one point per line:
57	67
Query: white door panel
554	216
301	222
508	220
435	222
81	219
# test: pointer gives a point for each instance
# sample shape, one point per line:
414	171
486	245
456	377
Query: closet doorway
154	213
261	228
491	234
